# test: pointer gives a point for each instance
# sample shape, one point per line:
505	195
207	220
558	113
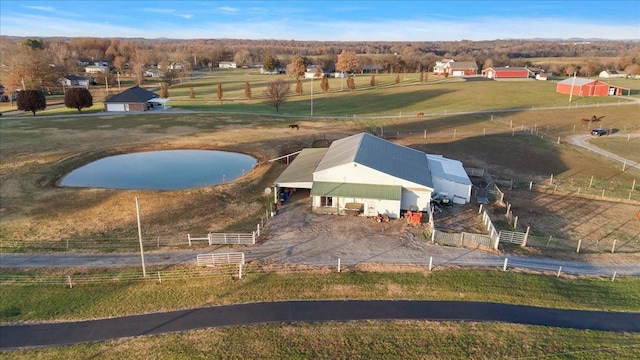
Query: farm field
522	144
37	151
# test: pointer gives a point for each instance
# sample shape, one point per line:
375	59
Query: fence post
430	263
613	247
68	242
506	262
433	235
210	239
253	237
591	181
559	270
515	222
240	271
480	210
258	230
158	242
189	238
530	185
159	278
69	280
551	180
602	192
338	264
508	208
579	243
462	238
526	237
633	187
425	134
548	242
614	275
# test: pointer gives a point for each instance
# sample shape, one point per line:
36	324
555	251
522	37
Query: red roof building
507	73
587	87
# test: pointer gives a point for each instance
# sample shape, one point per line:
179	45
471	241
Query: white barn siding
459	193
416	197
372	207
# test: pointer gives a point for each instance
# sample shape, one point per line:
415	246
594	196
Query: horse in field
294	127
420	114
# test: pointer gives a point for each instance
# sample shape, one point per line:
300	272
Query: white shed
449	177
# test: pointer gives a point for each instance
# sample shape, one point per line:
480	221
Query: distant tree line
39	63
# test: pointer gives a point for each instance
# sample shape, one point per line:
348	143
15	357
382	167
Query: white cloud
41	8
229	9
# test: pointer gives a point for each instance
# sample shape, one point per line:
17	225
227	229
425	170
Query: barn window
326	201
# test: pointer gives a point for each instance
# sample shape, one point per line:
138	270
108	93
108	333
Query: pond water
161	170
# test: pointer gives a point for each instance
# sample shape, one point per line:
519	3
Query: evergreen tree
247	90
78	98
299	87
324	84
351	84
164	91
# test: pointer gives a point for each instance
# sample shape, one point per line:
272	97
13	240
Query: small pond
161	170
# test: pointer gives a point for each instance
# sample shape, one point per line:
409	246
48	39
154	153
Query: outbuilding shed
507	73
587	87
374	176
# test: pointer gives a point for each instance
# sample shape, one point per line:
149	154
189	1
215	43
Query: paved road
52	334
440	256
582	141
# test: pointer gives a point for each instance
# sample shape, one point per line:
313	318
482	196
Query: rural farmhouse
135	99
371	176
588	87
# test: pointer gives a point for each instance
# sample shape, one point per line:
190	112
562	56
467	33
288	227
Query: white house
612	74
76	81
227	65
374	175
96	69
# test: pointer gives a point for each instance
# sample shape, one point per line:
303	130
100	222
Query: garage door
115	107
458	73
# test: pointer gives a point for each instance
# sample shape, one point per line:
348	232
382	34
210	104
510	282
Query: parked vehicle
599	132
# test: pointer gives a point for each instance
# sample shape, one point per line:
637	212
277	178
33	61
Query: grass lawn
115	298
364	339
360	340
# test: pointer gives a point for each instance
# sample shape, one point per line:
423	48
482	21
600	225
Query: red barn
507	73
587	87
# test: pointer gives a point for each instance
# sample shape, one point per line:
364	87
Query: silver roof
379	154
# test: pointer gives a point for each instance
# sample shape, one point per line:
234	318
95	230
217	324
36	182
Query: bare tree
276	93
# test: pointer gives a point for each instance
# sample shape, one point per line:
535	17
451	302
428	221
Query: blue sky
323	20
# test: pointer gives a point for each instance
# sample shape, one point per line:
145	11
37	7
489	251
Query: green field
37	151
367	339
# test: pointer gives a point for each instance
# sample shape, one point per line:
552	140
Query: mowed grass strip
360	340
39	302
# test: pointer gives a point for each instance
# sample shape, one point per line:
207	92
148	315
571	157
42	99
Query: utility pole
144	271
572	83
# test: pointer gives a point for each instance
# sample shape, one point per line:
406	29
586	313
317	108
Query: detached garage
135	99
372	176
587	87
507	73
